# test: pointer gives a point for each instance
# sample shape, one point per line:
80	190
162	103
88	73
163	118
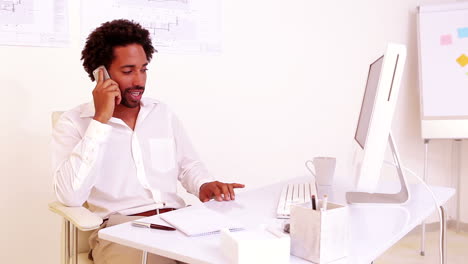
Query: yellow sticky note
462	60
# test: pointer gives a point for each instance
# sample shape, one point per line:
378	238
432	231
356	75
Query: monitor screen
368	102
373	130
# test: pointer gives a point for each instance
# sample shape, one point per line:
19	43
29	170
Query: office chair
78	224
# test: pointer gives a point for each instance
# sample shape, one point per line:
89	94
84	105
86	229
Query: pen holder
319	236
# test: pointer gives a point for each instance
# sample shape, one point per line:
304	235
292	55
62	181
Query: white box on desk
255	246
319	236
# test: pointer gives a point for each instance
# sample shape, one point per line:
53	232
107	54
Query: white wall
287	87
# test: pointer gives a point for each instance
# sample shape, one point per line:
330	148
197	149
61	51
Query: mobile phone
96	73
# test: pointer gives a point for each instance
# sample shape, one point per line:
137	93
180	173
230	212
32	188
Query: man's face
128	69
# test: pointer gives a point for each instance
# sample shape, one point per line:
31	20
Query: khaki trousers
105	252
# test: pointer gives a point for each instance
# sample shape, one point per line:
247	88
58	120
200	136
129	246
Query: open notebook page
199	220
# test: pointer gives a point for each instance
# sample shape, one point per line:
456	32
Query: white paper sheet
34	23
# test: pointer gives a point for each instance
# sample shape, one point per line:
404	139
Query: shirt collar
88	109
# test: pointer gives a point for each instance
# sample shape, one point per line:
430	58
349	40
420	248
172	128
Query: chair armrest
81	217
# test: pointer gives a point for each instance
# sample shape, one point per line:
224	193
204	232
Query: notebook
199	220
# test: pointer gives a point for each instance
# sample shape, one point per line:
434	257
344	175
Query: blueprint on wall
34	23
176	26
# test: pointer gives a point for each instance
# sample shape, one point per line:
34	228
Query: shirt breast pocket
162	154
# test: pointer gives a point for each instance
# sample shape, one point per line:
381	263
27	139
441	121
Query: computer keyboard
294	193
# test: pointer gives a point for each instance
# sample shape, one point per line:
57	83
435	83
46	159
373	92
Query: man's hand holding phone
106	96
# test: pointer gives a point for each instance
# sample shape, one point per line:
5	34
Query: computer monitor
374	126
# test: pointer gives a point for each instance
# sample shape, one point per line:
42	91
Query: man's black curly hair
101	42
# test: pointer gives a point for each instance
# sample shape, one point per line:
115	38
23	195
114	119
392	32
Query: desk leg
423	224
144	257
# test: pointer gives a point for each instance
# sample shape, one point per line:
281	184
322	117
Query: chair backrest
55	117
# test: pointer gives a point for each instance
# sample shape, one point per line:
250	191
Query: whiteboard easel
443	80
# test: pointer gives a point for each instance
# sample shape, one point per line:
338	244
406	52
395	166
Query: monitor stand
384	198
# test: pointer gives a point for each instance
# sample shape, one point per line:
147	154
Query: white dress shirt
120	170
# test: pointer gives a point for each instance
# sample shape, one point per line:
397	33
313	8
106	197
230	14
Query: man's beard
127	97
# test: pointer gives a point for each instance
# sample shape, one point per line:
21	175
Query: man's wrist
201	187
101	119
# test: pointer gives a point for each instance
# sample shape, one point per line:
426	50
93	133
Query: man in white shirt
121	153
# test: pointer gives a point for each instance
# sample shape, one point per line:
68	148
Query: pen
314	206
324	202
153	226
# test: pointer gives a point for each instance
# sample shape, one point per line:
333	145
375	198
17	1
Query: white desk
374	229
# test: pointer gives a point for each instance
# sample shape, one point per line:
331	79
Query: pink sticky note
445	40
